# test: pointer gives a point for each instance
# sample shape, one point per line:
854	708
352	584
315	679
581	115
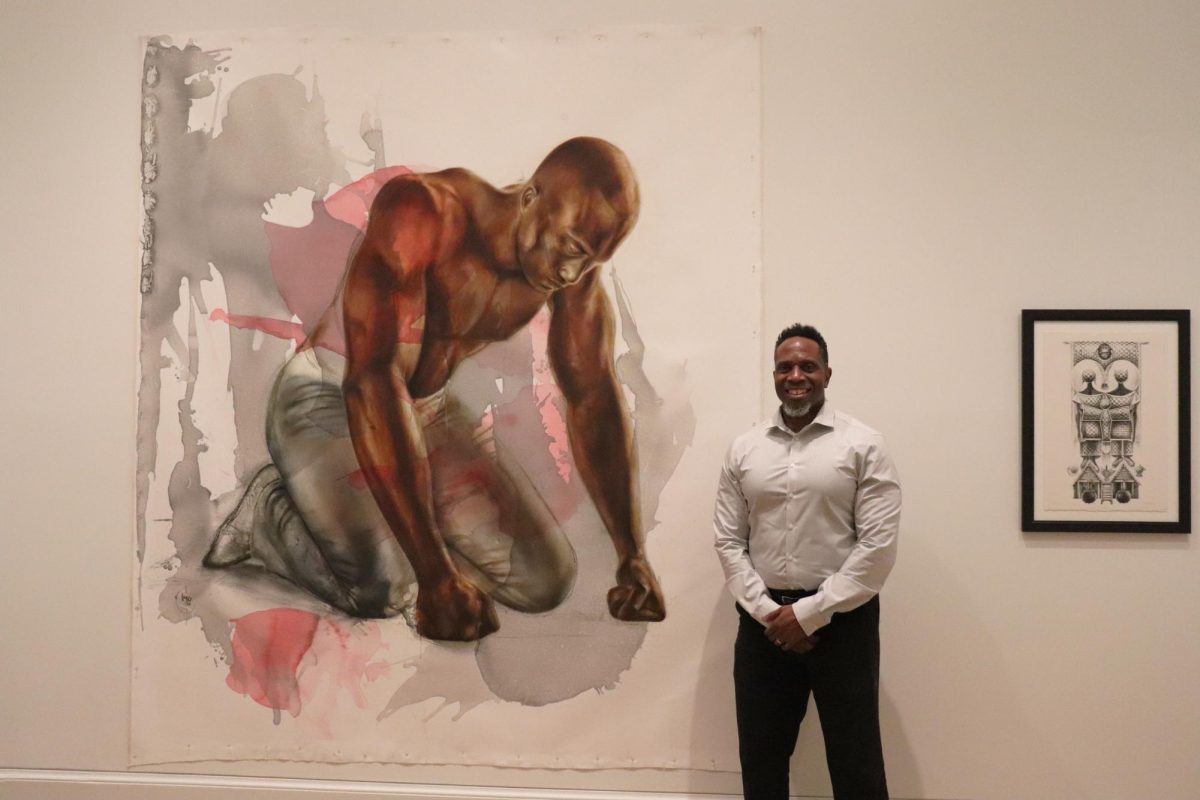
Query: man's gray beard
798	409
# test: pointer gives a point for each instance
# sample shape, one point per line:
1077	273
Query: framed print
1105	421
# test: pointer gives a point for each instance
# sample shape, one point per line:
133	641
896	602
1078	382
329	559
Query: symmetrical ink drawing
1105	398
412	423
1105	434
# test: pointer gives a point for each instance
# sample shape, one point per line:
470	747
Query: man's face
801	376
565	231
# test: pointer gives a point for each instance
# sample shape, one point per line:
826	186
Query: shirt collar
824	418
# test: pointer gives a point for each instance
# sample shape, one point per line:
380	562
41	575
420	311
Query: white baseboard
35	784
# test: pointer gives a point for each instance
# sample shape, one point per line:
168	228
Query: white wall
931	168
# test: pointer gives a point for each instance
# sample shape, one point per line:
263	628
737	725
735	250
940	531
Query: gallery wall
929	170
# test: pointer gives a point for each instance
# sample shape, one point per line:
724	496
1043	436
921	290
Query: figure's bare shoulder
414	221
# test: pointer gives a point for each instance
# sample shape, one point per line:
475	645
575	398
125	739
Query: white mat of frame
571	688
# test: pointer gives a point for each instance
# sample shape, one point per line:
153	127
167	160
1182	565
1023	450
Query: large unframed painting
441	340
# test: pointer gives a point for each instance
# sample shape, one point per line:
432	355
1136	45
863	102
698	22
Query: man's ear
528	195
828	375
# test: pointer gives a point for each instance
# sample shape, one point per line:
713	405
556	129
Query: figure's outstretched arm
384	308
581	353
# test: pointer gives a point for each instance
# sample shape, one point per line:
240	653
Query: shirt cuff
810	617
763	608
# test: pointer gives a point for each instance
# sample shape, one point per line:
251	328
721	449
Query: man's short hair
804	332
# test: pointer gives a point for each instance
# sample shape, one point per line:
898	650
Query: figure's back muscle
384	300
423	239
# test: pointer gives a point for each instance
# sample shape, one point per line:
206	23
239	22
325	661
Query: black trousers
772	688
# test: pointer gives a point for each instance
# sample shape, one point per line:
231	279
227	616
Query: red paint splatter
308	263
267	649
357	480
515	416
341	662
547	395
350	204
278	328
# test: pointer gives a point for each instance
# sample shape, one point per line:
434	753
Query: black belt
788	596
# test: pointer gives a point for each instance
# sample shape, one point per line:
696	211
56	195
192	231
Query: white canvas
570	688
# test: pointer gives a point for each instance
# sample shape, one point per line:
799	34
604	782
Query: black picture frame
1106	421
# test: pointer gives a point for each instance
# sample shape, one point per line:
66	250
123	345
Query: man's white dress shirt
818	509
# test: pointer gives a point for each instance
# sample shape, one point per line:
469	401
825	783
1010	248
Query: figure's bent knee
540	581
537	596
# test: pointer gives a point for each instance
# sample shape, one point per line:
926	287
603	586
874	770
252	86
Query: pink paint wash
291	660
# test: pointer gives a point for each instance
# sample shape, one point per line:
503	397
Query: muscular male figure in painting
378	478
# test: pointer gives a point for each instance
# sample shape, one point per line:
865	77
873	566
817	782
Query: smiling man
807	514
380	487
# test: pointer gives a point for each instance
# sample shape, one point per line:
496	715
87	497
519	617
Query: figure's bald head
596	163
586	162
580	204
